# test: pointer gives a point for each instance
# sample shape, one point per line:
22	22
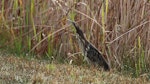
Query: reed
120	29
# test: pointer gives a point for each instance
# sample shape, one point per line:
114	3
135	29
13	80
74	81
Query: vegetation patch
19	70
36	29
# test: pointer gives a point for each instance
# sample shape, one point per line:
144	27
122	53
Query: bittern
91	53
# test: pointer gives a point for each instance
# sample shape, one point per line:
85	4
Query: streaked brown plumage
91	54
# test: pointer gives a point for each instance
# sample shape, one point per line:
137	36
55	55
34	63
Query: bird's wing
95	56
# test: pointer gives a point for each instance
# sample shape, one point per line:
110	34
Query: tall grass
120	29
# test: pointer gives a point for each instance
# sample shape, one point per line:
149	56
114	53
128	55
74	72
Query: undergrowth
120	29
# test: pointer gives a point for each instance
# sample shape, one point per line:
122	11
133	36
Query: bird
91	53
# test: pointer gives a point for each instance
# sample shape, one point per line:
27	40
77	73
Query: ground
17	70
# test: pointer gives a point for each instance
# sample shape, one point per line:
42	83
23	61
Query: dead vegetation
120	29
19	70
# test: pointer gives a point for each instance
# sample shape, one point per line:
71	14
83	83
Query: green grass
20	70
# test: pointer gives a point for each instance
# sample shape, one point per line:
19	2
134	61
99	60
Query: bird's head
78	31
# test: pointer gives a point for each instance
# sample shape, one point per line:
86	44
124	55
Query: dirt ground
16	70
